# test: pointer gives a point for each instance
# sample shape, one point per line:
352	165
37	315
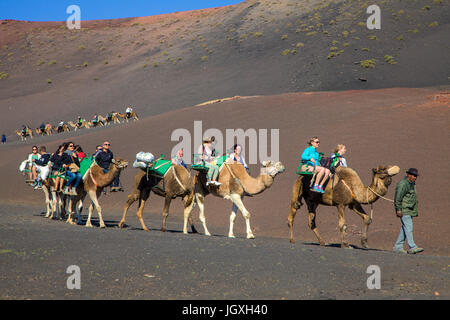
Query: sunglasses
106	144
71	146
317	141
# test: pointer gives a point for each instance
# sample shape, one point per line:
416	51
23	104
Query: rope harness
178	180
367	196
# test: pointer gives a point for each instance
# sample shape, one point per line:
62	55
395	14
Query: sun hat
413	171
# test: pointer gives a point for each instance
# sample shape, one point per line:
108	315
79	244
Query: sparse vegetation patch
370	63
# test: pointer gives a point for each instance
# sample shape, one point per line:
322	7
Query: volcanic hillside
161	63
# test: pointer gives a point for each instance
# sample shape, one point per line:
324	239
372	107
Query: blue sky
55	10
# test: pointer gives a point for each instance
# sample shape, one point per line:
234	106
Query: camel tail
297	190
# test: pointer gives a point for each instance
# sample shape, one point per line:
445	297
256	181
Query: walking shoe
34	184
73	191
38	186
415	250
320	188
316	188
400	251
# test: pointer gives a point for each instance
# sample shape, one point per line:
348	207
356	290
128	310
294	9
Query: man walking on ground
406	207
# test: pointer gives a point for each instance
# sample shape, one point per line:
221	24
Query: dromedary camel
48	130
235	184
111	119
28	133
177	182
345	189
76	127
65	127
93	183
133	115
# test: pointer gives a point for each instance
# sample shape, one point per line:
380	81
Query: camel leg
53	204
313	227
130	201
237	200
88	222
295	205
58	205
342	226
99	209
234	210
140	213
94	195
63	205
291	218
47	200
165	212
70	208
80	210
200	199
358	209
188	202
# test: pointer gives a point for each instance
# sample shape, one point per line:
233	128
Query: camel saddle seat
85	164
306	172
199	164
61	174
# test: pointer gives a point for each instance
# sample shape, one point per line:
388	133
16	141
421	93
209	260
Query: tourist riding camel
310	162
24	133
207	159
41	168
342	190
235	184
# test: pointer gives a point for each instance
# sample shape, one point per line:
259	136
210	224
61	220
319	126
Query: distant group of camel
113	117
344	189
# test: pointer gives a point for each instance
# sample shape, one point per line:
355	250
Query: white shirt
242	161
206	152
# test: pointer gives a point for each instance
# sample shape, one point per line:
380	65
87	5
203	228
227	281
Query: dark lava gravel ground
132	264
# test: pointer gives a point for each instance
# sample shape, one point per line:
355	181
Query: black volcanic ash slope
256	47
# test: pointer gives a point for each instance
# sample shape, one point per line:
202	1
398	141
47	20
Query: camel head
272	168
386	173
120	163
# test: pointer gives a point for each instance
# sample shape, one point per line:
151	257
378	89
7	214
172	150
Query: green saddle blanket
160	167
86	164
219	162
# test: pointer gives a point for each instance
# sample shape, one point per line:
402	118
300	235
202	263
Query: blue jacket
311	153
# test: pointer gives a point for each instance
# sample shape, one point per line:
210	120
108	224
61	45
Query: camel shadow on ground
338	245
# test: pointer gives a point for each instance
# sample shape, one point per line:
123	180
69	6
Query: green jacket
405	198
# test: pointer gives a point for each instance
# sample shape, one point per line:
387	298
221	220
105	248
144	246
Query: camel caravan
320	181
80	123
